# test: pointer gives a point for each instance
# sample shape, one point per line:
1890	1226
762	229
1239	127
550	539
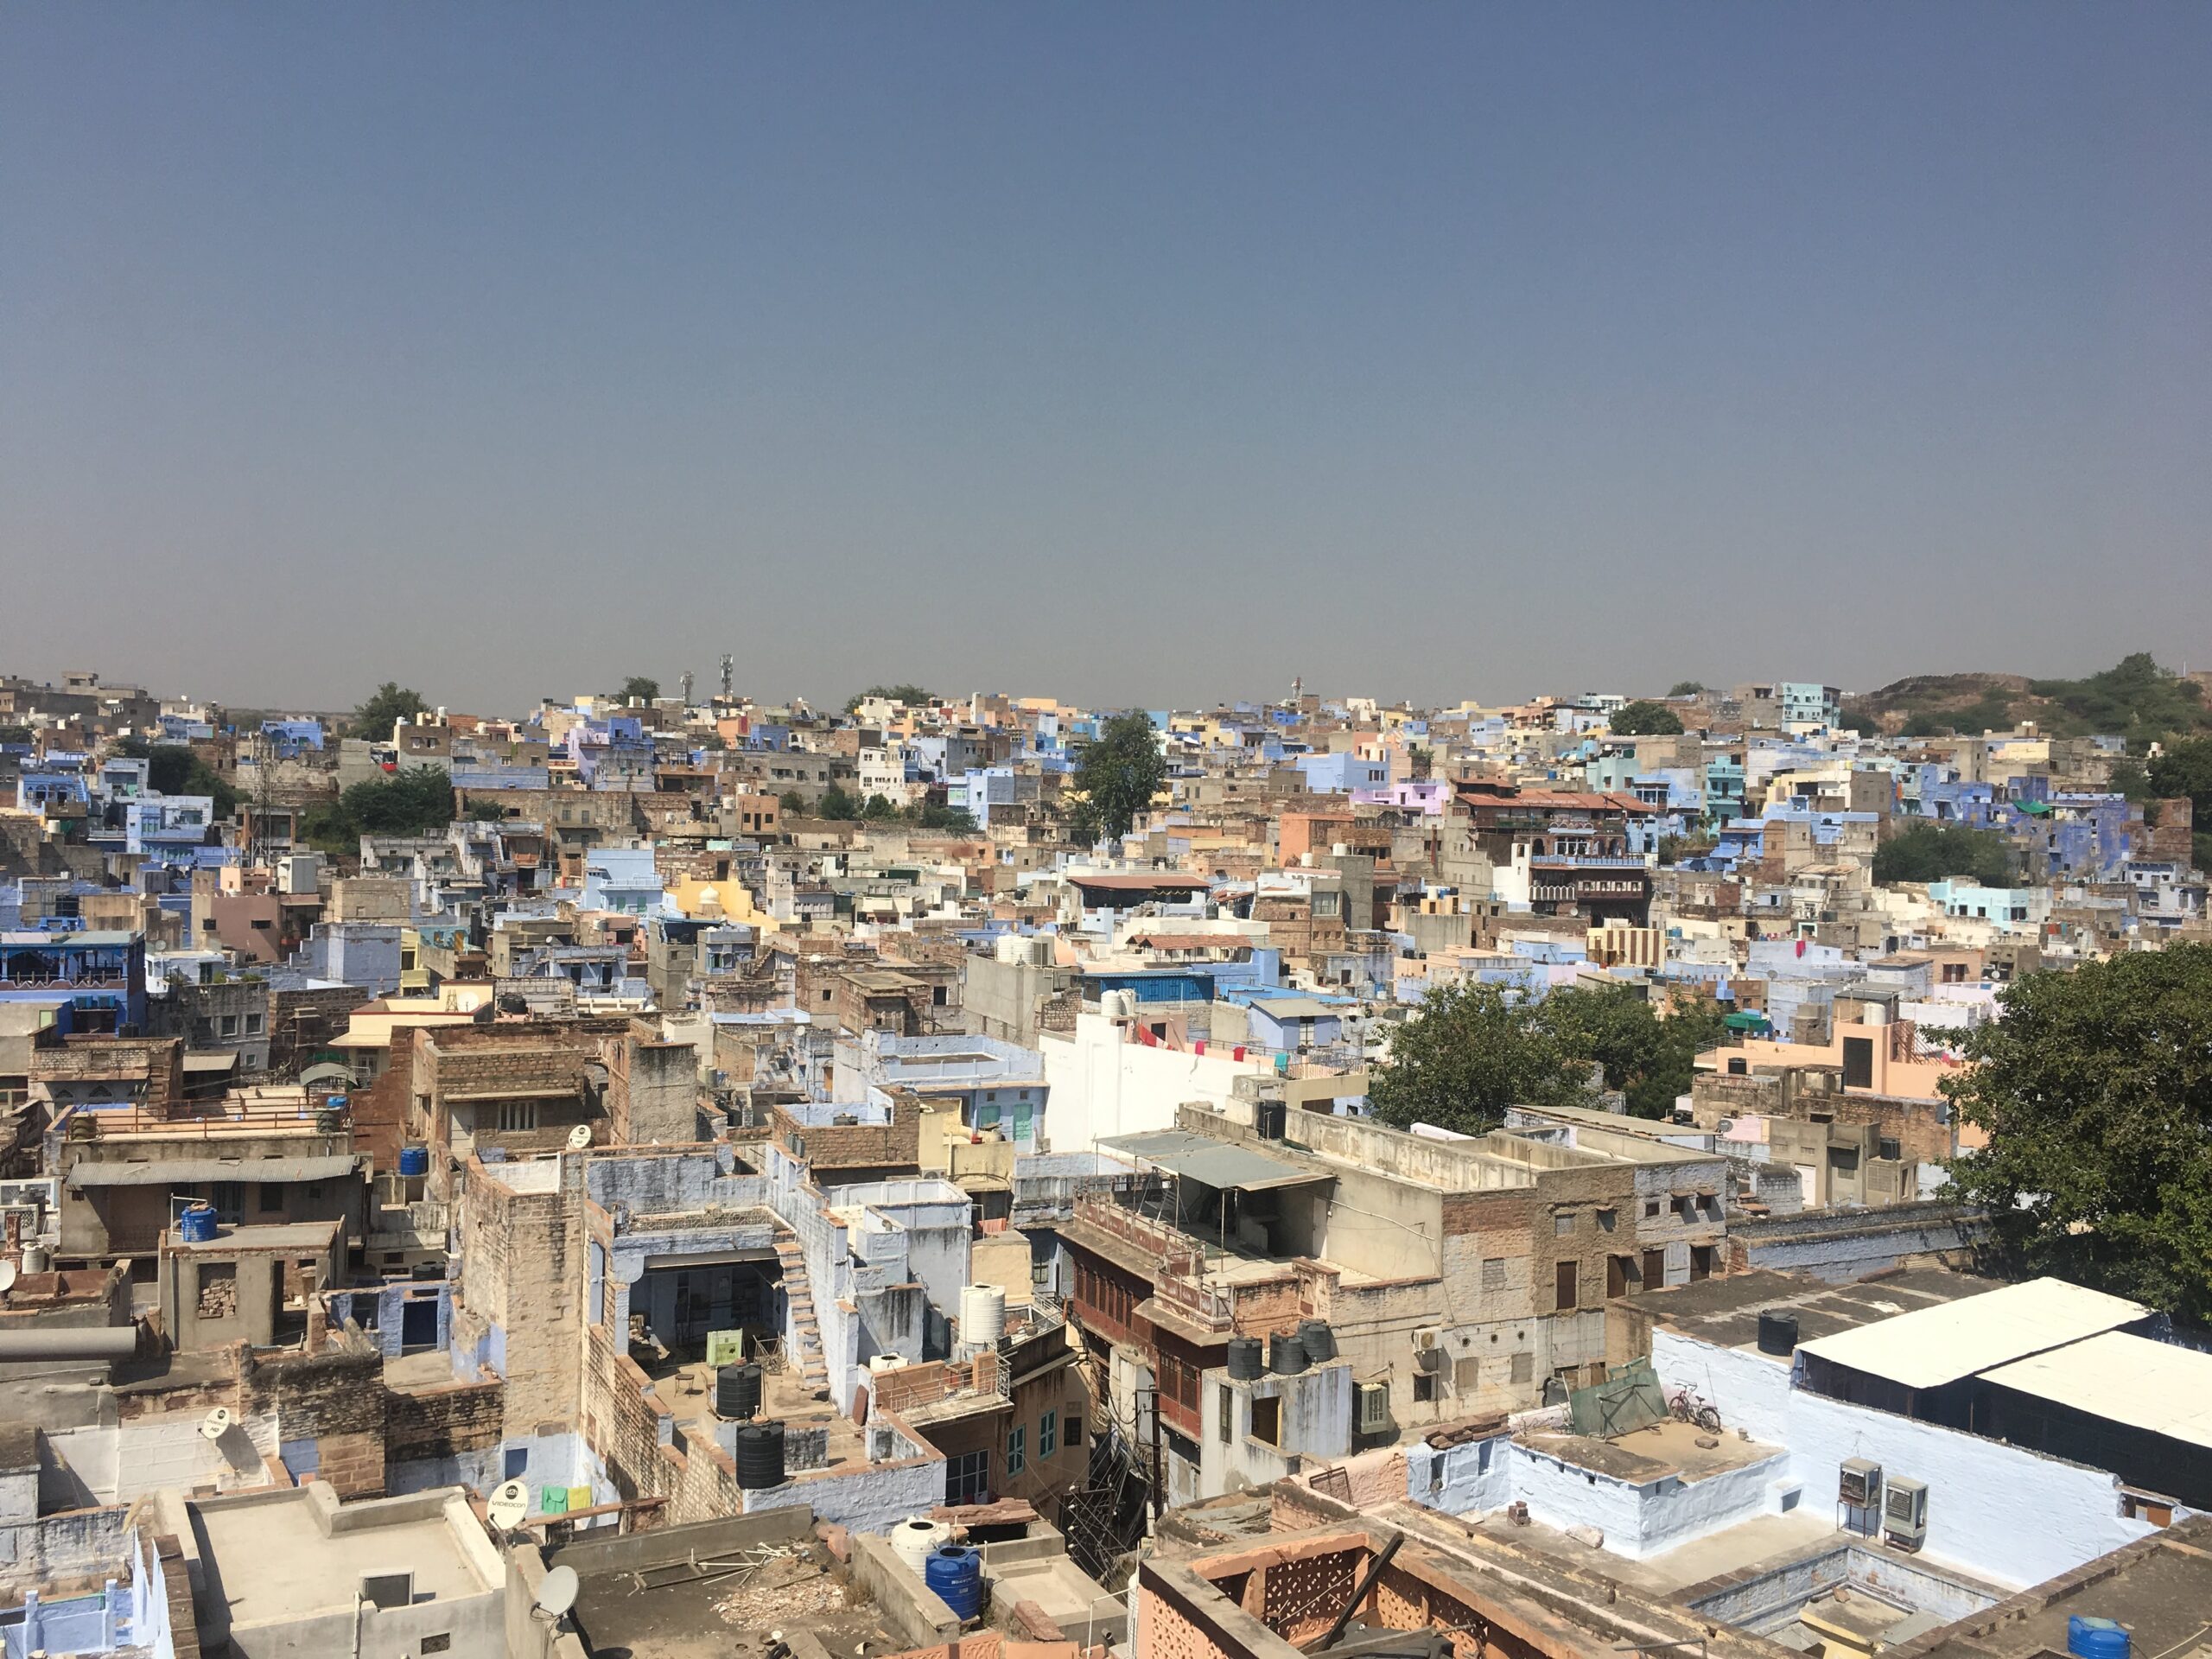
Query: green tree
414	802
2094	1091
1645	718
174	769
2185	770
1120	771
1647	1052
639	688
906	695
877	808
1926	851
391	703
1467	1053
792	804
1687	688
956	819
837	806
2134	698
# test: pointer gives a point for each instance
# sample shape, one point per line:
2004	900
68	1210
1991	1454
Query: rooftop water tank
913	1540
956	1573
1286	1354
1247	1358
983	1313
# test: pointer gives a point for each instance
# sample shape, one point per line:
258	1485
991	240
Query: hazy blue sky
1130	353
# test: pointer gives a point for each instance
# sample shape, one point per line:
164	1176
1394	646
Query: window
939	995
1651	1209
1017	1450
229	1025
1605	1221
1423	1387
269	1198
1071	1428
1563	1224
967	1478
1493	1274
1563	1286
441	1643
518	1117
229	1200
514	1463
1858	1062
1225	1405
1266	1421
1048	1427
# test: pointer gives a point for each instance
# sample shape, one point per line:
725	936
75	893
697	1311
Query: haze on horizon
1133	354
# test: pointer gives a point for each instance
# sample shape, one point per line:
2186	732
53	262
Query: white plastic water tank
1012	947
1119	1005
983	1313
879	1363
913	1539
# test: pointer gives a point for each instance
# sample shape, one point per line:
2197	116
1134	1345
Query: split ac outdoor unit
1373	1408
1861	1484
1428	1347
1904	1513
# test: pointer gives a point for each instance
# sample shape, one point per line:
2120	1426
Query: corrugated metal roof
2125	1378
1931	1346
190	1171
1212	1163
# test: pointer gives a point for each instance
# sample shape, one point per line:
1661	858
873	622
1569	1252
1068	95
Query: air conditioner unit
1375	1407
1904	1513
1428	1347
1861	1484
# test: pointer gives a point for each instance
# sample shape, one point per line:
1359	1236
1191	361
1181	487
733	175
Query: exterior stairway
805	1358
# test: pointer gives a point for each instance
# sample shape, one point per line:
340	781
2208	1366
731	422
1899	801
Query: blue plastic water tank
955	1572
197	1225
2095	1639
414	1161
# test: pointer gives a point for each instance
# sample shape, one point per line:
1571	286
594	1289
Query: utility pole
1158	1470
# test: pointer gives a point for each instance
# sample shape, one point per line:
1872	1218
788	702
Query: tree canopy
1120	771
1645	718
1472	1049
2185	770
639	688
1685	689
1927	851
391	703
2094	1090
414	802
906	695
2134	698
174	769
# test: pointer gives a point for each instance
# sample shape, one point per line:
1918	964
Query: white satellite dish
510	1502
558	1594
216	1424
7	1277
580	1137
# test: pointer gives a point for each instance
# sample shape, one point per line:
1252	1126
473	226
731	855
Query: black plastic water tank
760	1455
1271	1118
1247	1358
737	1390
1318	1341
1286	1354
1777	1331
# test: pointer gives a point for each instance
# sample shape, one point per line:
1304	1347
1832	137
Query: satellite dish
7	1277
580	1137
558	1594
216	1424
510	1502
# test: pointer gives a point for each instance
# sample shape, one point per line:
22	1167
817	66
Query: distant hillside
2134	698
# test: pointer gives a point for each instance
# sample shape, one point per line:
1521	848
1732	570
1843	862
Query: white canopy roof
1931	1346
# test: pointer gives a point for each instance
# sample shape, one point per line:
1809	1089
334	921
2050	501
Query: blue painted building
94	983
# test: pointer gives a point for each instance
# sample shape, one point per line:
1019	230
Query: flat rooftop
1725	1311
2159	1587
275	1563
1652	1453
